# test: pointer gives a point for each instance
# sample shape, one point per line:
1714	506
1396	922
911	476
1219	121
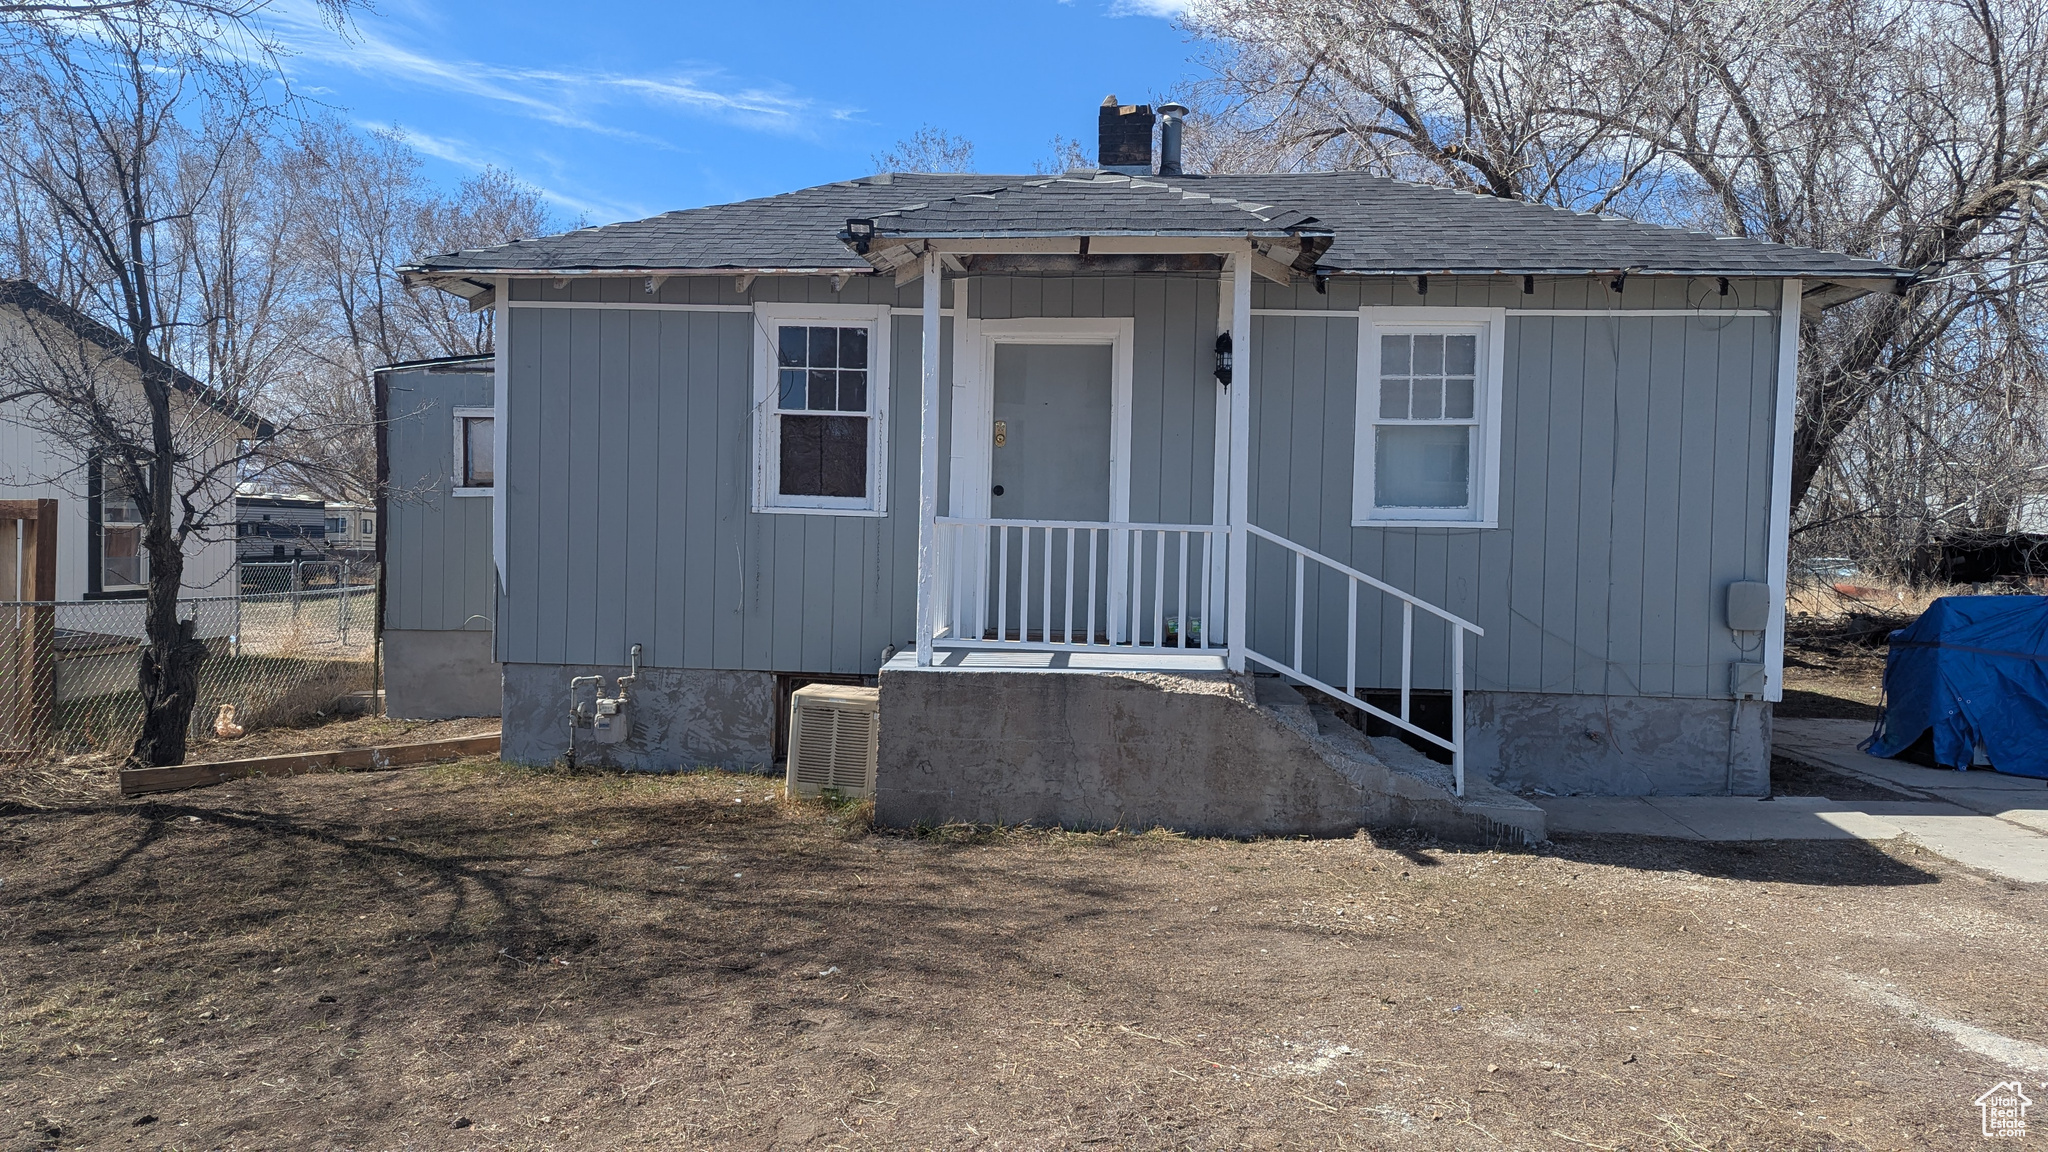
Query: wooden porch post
1240	453
28	691
928	462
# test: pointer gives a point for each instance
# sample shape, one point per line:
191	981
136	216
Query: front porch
1029	556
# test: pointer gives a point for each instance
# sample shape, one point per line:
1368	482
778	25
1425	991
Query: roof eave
438	276
1077	233
1868	280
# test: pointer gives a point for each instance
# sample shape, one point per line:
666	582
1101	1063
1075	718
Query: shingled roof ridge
1610	218
1262	211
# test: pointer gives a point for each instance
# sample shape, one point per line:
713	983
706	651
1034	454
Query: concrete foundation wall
1619	745
682	718
437	675
1095	750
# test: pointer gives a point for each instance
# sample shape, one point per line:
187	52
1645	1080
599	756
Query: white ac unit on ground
832	735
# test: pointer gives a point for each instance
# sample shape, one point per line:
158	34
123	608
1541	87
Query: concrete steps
1208	753
1387	763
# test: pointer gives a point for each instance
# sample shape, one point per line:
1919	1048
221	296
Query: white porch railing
1075	584
1300	558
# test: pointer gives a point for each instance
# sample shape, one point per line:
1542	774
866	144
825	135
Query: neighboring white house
99	533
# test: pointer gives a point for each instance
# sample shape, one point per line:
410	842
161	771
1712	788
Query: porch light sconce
1422	285
862	233
1722	283
1223	359
1528	285
1322	284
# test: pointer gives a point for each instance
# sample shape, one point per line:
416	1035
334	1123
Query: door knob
1002	433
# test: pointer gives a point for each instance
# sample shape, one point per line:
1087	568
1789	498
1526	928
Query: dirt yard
479	957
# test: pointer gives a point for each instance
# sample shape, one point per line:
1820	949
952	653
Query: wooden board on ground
141	781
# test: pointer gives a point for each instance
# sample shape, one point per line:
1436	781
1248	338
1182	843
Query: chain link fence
68	669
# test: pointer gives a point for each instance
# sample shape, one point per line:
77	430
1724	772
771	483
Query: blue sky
622	110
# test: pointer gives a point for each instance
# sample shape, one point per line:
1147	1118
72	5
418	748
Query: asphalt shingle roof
1096	206
1379	226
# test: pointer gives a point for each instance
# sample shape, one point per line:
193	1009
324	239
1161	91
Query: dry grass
481	957
1835	647
71	779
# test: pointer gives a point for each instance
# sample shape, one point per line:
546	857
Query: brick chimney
1125	143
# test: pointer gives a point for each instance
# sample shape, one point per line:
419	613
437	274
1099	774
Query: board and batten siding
1634	487
437	546
628	475
1635	470
629	459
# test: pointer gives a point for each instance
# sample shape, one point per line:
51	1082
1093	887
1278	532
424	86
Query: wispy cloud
1163	9
571	99
472	157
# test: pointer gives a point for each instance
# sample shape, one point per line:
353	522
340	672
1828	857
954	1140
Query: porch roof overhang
1089	222
1277	258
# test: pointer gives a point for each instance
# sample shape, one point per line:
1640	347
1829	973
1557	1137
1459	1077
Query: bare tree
1064	154
1914	131
928	149
124	136
361	207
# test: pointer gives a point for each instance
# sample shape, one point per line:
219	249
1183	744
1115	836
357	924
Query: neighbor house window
1428	416
476	453
123	564
369	526
822	388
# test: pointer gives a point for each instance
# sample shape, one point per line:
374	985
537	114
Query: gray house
1242	503
435	445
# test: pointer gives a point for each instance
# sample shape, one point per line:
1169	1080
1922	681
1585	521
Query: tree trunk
169	672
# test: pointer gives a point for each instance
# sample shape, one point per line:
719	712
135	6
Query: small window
369	526
476	453
123	564
1428	403
337	525
822	428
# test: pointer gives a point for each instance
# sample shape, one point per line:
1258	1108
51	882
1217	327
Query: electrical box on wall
1746	680
1749	606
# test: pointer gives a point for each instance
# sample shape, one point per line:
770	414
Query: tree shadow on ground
1850	863
674	902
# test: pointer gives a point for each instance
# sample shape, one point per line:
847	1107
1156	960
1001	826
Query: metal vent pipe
1170	118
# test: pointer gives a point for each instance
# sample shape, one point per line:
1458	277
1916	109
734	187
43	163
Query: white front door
1056	393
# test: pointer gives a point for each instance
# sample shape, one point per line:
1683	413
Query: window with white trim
821	391
1428	416
476	452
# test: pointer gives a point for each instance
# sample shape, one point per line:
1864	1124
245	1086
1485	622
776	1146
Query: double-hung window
1428	417
821	391
117	536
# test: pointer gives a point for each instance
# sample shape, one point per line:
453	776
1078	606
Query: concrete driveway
1984	820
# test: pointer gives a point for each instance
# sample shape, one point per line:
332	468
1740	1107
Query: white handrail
1297	669
1045	601
1355	574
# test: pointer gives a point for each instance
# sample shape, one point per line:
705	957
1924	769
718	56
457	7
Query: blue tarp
1973	669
